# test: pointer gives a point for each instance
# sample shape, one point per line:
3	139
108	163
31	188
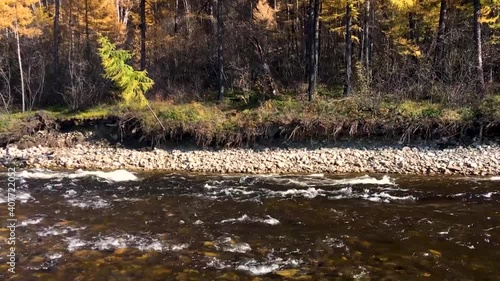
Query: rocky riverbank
479	159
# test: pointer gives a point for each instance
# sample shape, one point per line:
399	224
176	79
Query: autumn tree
18	16
206	49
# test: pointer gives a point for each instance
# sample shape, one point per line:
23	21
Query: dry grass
290	119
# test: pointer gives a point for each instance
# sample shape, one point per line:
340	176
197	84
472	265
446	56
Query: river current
76	225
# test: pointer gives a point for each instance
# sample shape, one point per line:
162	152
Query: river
152	226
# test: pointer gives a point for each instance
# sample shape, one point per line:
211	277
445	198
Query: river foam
95	202
143	243
271	264
31	221
245	218
256	188
316	180
113	176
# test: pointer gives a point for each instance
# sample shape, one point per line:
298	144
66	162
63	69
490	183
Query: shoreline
477	159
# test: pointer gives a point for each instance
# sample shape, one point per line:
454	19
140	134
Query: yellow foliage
403	4
408	48
18	16
435	253
287	273
488	16
102	16
265	14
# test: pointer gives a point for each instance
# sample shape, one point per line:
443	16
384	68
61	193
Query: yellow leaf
436	253
287	273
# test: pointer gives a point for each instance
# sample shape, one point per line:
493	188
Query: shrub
490	108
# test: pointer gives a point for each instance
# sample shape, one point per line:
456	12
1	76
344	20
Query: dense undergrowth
287	118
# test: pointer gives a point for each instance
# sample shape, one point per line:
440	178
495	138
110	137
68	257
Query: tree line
439	50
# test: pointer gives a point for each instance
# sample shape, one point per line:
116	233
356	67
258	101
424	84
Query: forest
289	59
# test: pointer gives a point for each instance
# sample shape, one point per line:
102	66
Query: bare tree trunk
71	25
57	5
319	9
187	15
20	61
295	30
72	89
118	10
439	55
306	27
412	23
87	33
307	38
271	88
413	35
220	43
122	13
348	50
480	87
176	17
143	34
365	52
313	47
6	77
289	29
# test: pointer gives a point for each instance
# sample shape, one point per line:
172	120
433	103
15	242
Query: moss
8	122
191	112
330	92
414	109
490	108
96	112
461	114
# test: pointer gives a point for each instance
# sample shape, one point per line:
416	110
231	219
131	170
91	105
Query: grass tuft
209	123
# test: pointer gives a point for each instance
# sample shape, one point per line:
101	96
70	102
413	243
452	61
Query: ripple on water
59	230
95	202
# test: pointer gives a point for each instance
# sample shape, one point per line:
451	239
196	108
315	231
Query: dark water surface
76	226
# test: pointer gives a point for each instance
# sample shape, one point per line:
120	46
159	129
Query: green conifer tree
133	83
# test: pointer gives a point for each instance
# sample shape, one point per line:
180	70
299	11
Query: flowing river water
119	226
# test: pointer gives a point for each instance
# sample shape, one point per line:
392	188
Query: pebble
469	160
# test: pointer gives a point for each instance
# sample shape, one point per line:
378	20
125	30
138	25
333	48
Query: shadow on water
213	227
